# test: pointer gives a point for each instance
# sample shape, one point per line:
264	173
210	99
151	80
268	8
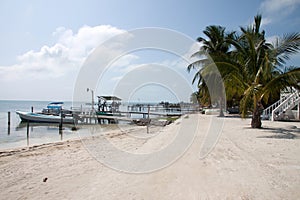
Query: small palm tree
216	48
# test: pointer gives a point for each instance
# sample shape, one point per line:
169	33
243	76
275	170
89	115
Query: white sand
245	164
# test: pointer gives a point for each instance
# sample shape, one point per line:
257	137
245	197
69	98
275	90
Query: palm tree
217	48
250	66
257	67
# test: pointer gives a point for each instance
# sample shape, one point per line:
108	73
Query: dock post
8	122
90	118
61	122
61	135
148	121
8	118
27	132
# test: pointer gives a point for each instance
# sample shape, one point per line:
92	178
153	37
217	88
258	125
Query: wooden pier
91	118
108	110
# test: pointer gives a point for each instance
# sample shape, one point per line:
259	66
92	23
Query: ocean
15	135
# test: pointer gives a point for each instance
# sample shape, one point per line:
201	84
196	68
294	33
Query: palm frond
286	46
288	79
198	64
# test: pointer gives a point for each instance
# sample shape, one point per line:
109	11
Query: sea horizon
15	134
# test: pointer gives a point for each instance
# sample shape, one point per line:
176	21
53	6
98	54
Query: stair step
277	110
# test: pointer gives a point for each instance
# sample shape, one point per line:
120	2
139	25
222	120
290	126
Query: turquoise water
16	135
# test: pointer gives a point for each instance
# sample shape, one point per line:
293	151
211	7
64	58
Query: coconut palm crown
254	68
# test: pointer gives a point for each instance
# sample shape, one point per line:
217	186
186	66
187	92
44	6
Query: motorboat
44	118
54	113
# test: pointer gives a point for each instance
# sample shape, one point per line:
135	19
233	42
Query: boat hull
42	118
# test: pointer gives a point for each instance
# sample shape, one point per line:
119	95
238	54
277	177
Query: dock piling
27	132
61	122
8	122
148	123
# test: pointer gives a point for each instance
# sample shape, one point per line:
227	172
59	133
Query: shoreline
246	163
275	124
78	139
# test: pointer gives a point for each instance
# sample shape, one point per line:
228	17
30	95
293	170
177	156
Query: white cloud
51	71
124	63
273	6
67	54
265	21
272	39
87	38
56	65
274	10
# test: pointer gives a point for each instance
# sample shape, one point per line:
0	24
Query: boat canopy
55	105
108	103
57	102
109	98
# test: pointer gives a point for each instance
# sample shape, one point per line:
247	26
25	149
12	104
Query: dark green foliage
252	69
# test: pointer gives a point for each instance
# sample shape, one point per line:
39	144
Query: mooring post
8	122
148	121
61	122
61	135
8	119
27	132
90	118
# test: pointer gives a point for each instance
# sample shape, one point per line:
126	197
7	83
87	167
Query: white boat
51	114
44	118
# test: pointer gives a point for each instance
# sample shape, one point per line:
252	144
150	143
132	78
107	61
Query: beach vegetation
253	69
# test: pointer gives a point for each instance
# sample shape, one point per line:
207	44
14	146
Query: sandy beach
244	164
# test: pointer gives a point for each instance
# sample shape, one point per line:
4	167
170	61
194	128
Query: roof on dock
56	102
110	98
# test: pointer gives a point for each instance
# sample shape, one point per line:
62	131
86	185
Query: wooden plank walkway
124	116
151	113
121	118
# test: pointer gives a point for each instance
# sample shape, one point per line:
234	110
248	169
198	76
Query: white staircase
278	110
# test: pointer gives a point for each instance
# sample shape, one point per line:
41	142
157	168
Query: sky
46	44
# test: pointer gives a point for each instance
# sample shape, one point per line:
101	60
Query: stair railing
290	102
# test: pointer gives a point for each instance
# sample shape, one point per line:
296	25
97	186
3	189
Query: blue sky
44	43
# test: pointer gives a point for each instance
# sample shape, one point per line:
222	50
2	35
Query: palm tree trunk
221	114
256	119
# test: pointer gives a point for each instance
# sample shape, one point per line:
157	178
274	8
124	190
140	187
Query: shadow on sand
282	133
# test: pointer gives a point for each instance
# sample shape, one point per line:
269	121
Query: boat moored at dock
54	113
44	118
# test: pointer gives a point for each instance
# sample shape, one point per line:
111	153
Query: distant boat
51	114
